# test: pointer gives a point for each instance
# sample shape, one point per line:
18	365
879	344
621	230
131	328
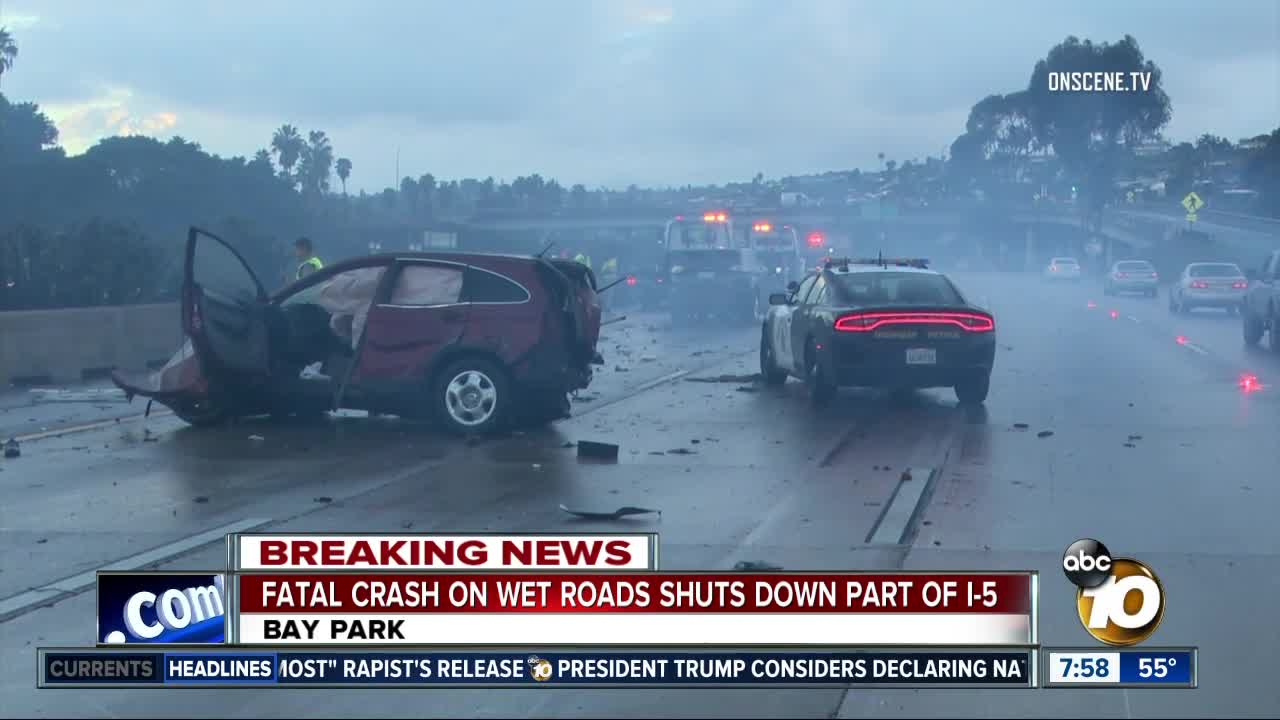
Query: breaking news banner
229	667
161	608
660	608
1119	668
435	552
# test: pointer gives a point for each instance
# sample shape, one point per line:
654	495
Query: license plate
705	275
922	356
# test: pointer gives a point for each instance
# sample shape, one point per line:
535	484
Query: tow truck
778	250
713	271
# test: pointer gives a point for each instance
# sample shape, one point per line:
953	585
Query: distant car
1063	268
471	340
1220	285
887	323
1132	276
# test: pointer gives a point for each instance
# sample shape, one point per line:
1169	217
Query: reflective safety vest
313	262
610	266
584	259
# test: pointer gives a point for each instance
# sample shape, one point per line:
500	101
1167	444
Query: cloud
14	23
115	112
638	91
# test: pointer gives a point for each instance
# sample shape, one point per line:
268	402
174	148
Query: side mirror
793	286
777	299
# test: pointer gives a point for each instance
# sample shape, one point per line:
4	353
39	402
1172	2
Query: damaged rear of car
474	341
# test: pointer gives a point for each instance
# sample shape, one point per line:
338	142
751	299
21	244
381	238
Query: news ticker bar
513	668
1122	668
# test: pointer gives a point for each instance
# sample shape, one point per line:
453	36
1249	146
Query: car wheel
472	395
1252	328
817	384
769	369
973	391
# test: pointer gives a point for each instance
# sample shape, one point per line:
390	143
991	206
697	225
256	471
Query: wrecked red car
474	341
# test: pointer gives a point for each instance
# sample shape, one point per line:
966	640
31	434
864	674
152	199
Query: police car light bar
921	263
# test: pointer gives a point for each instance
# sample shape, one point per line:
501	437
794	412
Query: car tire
1253	328
472	396
769	370
819	387
973	391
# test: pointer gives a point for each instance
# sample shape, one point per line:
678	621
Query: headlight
676	270
777	271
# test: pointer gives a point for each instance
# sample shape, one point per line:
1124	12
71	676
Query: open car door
224	311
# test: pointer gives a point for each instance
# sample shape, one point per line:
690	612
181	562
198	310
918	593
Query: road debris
1021	426
681	451
148	436
618	514
1130	445
1134	437
256	439
905	476
747	388
621	368
597	450
648	358
42	541
322	499
1044	433
755	566
201	500
11	449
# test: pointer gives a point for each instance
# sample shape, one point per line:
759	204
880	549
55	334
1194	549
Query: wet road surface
1154	449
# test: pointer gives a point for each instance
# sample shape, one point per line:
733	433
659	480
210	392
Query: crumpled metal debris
11	449
618	514
1044	433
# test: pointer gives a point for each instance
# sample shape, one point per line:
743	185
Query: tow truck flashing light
815	239
715	217
762	227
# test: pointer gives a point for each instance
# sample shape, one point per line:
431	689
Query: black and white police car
881	323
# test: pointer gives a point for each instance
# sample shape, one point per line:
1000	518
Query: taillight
631	280
1120	274
1240	285
1053	268
867	322
1200	285
1155	275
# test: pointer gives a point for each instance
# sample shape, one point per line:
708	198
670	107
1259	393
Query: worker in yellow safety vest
582	258
307	260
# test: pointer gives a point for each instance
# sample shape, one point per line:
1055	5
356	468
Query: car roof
868	269
1202	264
1133	262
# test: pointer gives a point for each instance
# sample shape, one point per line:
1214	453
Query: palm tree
287	145
316	164
344	171
8	51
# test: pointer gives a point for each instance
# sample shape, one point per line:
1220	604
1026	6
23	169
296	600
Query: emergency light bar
920	263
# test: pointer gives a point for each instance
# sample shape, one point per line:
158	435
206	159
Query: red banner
351	593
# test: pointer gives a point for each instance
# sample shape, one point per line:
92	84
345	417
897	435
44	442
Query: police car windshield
895	288
1224	270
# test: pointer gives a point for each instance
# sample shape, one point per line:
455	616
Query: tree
24	131
1087	130
287	144
1263	171
8	51
344	171
578	196
316	164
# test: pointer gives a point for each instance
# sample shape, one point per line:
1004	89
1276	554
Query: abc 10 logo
1120	601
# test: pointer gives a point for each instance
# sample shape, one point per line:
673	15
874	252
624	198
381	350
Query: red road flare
867	322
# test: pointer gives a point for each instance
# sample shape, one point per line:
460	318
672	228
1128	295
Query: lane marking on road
11	607
1133	318
894	522
661	381
96	424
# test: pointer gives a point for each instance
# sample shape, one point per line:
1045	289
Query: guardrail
56	346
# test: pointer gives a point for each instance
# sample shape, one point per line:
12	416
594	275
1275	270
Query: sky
606	92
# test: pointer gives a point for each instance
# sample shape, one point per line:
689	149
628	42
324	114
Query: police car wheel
769	369
472	395
973	390
1253	328
819	387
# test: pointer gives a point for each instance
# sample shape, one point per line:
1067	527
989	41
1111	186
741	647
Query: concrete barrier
53	346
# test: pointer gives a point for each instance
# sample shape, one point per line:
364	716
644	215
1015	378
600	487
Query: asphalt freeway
1108	417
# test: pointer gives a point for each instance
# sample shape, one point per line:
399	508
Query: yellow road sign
1192	203
1191	217
1130	197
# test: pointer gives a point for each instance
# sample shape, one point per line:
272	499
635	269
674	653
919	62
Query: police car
882	323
